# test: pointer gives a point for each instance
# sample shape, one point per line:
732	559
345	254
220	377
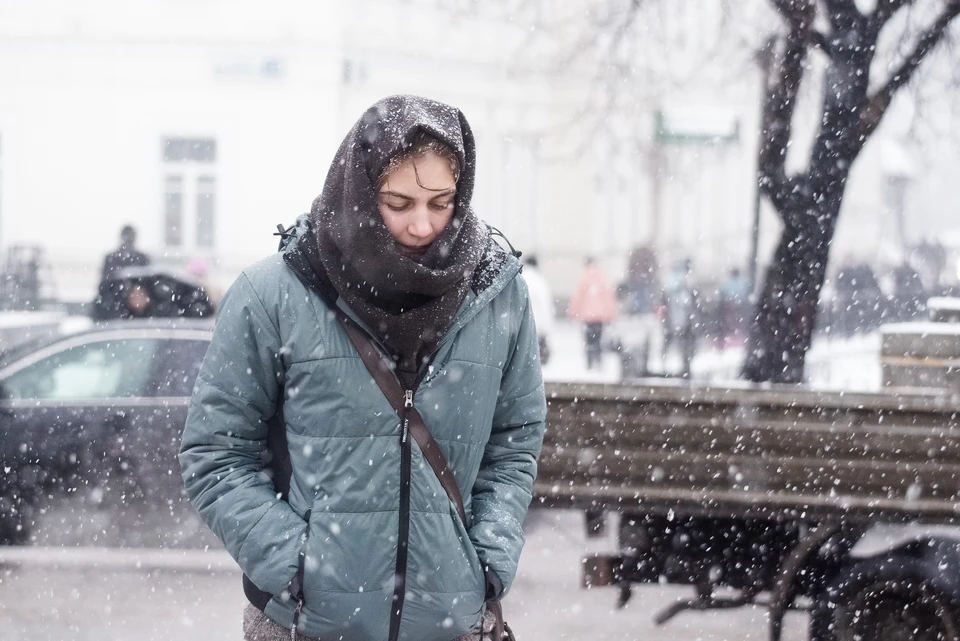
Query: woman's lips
416	250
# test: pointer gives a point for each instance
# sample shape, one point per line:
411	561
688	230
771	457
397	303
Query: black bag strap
383	376
395	395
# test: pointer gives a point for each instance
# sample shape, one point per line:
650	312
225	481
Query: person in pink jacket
594	302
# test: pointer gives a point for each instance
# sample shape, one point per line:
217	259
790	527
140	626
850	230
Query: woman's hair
421	144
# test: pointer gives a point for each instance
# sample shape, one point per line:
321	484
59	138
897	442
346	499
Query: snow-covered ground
833	363
197	597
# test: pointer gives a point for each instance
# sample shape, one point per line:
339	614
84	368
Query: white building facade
205	124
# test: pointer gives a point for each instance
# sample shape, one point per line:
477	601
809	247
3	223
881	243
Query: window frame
194	170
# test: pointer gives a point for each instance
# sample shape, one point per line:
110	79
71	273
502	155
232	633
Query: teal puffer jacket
482	397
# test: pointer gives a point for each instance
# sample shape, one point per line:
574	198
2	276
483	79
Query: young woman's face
417	201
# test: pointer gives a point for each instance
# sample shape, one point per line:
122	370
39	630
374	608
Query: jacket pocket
468	613
476	566
294	590
295	587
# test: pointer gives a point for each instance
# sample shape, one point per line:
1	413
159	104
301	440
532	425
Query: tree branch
841	13
782	85
821	41
885	10
877	104
795	11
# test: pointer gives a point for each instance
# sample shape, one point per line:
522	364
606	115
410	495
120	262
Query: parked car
103	405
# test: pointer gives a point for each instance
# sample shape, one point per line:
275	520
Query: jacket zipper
296	584
403	535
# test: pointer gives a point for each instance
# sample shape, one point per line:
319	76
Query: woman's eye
442	206
396	207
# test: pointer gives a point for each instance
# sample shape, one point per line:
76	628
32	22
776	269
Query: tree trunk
781	327
808	203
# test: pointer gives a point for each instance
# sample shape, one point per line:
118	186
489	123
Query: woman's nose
420	223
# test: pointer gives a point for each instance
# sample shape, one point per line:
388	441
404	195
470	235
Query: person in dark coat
859	298
357	540
126	255
909	299
114	292
145	292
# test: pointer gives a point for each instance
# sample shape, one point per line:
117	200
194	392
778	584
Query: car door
154	431
65	406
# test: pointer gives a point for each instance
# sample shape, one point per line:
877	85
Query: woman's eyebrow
395	194
448	192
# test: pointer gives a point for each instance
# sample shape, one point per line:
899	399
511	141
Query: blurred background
204	124
623	131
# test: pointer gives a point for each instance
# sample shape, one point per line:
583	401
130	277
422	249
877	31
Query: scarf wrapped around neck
407	301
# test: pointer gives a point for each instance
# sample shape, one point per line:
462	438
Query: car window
178	363
103	369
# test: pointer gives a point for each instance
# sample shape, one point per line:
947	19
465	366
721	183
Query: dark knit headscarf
407	301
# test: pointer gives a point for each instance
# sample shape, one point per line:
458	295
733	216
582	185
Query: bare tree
861	52
808	201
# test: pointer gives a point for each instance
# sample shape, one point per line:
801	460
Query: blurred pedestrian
113	290
126	255
734	295
909	298
595	303
198	268
137	302
541	302
680	317
389	316
146	292
640	334
859	298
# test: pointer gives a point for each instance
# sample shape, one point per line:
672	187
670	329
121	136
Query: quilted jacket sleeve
224	442
503	489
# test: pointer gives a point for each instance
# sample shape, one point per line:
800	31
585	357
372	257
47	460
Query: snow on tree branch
878	103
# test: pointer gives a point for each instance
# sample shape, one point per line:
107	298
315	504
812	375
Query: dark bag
390	386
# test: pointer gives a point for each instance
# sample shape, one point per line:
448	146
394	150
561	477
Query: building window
189	150
173	211
189	193
206	190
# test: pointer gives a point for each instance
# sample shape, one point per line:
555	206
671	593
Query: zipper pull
408	398
296	618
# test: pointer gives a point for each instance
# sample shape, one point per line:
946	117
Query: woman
364	544
594	302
